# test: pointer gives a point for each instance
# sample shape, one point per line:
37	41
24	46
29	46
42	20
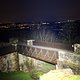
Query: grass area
64	77
59	75
26	76
15	76
39	73
47	64
71	77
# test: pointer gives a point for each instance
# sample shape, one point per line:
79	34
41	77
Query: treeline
60	32
64	32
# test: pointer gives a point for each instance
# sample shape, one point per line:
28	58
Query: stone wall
15	61
69	60
12	62
77	49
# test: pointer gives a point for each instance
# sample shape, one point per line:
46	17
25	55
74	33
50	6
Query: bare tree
43	35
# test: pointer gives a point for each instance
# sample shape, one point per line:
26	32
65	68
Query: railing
55	45
6	48
64	55
43	54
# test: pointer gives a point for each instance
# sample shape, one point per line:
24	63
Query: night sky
39	10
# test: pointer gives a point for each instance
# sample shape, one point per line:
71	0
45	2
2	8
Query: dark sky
39	10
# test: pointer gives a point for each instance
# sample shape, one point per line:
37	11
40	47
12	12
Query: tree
69	33
45	35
